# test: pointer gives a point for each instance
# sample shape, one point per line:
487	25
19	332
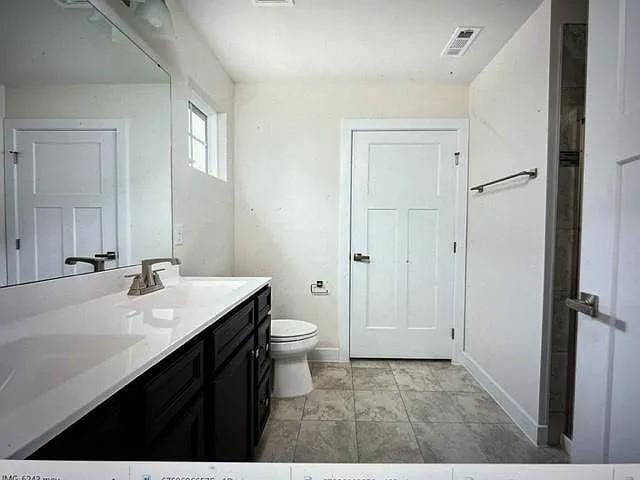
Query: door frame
348	128
117	125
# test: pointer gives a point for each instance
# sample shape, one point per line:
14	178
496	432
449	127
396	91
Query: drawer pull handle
257	353
267	347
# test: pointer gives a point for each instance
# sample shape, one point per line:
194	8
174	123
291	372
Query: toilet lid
291	330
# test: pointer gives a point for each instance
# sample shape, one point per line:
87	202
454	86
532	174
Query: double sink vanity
183	373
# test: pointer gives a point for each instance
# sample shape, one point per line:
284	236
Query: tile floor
395	411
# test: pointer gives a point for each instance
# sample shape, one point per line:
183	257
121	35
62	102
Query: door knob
359	257
587	304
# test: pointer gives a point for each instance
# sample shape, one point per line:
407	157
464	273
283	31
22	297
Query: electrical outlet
178	234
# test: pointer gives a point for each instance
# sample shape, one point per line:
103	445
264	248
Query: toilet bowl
291	341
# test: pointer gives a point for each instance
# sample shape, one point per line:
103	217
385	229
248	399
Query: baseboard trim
325	354
538	434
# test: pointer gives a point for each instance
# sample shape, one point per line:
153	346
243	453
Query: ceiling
43	43
354	39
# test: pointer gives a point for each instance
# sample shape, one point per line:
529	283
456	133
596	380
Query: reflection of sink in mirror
82	198
52	360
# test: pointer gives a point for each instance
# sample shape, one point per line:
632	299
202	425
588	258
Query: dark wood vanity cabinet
207	401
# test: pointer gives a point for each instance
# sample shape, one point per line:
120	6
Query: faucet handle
151	261
132	275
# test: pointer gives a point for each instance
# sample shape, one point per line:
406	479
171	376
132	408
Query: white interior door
403	212
607	395
63	201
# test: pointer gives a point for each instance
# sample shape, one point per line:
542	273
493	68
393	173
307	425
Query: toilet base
292	377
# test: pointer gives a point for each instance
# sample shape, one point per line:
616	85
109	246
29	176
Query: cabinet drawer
263	347
263	406
170	389
263	303
231	333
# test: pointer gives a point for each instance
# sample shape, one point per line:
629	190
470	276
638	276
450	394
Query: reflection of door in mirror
62	197
89	114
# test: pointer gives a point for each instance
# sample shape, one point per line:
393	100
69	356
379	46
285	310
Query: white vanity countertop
57	366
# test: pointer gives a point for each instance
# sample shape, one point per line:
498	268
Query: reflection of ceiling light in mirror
156	14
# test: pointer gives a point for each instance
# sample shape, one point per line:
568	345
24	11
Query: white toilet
291	341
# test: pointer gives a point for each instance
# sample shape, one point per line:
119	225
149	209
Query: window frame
216	132
193	108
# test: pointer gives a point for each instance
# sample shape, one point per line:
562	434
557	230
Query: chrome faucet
148	280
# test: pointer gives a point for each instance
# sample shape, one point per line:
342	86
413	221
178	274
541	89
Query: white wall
147	109
287	160
509	120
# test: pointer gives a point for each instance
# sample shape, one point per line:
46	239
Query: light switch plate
178	234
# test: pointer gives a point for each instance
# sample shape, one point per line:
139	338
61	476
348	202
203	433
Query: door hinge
455	247
17	244
457	155
453	334
15	156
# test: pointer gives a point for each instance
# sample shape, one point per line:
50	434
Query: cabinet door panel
184	438
232	402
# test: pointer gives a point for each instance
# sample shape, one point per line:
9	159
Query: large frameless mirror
85	114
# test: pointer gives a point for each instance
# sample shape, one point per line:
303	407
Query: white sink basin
188	292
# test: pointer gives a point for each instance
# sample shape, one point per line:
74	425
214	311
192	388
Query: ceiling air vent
274	3
460	41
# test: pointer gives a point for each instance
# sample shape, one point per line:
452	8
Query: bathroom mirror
86	122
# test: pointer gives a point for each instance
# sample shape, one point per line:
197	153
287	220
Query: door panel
625	413
65	201
422	272
49	242
382	275
403	198
607	412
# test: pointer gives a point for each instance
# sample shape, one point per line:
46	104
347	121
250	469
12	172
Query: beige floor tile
387	442
332	378
329	405
373	379
326	442
380	406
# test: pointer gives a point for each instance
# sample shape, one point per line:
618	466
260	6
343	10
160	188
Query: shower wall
567	229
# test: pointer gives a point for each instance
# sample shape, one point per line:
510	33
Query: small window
207	138
199	138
